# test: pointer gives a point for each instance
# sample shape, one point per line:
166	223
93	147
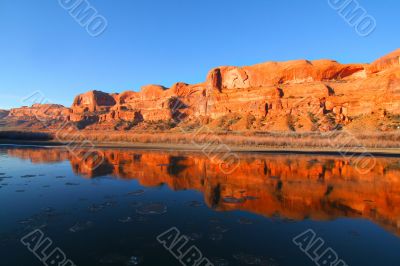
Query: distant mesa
4	113
299	95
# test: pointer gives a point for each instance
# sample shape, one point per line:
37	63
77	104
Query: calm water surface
113	214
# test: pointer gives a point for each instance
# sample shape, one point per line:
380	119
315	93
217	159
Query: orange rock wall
305	91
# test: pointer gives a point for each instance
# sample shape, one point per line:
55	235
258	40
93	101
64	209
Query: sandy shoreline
348	151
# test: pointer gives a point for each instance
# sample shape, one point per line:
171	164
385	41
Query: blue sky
165	41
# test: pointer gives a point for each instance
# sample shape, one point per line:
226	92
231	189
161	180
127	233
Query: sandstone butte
298	95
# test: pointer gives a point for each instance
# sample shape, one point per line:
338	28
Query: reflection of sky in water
247	217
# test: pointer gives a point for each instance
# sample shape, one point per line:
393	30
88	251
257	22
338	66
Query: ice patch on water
81	226
245	221
96	207
216	237
140	219
136	192
125	220
250	259
194	236
221	229
28	176
195	204
72	184
219	262
152	209
118	259
134	260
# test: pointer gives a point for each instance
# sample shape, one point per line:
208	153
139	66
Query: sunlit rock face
93	101
41	112
37	116
389	61
298	95
292	187
4	113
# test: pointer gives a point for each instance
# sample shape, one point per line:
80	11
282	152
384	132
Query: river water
111	211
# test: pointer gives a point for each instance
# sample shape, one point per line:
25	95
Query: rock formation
299	95
3	113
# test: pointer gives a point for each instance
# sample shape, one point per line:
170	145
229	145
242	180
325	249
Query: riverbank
384	152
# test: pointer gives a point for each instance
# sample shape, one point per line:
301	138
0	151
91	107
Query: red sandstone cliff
3	113
299	95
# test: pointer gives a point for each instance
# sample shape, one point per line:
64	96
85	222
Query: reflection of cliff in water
289	186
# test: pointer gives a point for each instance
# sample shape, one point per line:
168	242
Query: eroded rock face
386	62
41	112
276	74
4	113
298	95
93	101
